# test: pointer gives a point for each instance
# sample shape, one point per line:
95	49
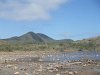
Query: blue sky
59	19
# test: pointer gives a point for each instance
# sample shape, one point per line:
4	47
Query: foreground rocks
34	65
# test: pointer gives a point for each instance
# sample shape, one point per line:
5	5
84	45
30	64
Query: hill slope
45	38
2	42
90	43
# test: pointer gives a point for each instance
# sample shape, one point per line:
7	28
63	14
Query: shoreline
28	63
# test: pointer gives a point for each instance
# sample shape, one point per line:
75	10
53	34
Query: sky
59	19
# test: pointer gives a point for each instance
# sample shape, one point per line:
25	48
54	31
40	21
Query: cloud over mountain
28	9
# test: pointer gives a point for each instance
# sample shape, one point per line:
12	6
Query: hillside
45	38
94	42
2	42
39	41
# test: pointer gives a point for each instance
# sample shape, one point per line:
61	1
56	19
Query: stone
70	73
16	73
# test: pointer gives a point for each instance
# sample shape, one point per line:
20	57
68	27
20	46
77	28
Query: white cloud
28	9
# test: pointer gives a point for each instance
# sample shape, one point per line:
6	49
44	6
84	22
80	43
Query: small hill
90	43
94	39
65	40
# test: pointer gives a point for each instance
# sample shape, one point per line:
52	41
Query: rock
15	67
84	65
70	73
16	73
40	68
58	74
9	66
75	72
24	69
27	74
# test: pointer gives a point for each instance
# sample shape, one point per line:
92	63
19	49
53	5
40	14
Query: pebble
16	73
27	74
58	74
15	67
75	72
9	66
70	73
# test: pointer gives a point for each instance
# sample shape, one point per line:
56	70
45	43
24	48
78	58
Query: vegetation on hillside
33	42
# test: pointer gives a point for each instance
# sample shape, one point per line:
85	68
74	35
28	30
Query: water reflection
79	55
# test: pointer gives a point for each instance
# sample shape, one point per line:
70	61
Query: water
79	55
63	56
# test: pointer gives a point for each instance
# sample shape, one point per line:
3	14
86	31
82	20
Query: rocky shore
34	65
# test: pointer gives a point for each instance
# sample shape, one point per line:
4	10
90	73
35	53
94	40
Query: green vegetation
33	42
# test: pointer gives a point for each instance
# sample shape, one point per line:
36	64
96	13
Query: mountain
29	38
45	38
33	38
39	38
